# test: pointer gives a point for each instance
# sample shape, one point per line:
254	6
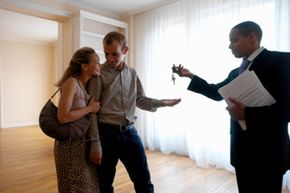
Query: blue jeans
126	146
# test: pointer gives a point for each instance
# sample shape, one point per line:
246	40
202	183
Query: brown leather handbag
50	125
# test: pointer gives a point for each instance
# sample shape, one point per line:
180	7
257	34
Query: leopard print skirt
75	172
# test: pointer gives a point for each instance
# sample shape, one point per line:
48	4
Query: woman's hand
93	105
96	157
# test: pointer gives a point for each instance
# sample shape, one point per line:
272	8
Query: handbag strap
54	93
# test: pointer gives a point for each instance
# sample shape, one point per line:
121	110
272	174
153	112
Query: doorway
28	66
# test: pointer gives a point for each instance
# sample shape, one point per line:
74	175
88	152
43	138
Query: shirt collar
255	54
106	66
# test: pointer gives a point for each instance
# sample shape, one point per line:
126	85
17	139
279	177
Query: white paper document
247	89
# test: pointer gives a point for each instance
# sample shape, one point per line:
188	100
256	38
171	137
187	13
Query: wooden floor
27	166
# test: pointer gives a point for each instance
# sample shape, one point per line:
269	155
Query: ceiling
121	8
18	21
20	27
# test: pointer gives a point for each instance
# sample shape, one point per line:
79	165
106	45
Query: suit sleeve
201	86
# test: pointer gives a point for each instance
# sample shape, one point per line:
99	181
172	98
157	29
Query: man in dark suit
260	152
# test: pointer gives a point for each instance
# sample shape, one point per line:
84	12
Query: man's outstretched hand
170	102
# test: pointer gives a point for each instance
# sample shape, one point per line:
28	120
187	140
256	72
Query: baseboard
13	125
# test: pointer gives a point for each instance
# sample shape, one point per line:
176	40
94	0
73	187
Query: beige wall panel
28	76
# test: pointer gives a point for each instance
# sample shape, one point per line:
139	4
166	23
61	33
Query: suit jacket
266	140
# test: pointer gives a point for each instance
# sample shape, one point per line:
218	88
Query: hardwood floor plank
27	166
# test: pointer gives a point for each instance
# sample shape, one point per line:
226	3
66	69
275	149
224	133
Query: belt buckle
123	128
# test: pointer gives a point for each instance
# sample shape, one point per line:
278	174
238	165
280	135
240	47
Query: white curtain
194	33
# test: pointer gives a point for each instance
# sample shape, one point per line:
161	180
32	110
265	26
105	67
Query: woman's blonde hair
81	56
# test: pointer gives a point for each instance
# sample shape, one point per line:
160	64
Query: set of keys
173	78
173	71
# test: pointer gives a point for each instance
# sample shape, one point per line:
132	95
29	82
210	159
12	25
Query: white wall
27	79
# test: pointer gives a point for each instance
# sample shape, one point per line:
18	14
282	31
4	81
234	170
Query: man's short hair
245	28
115	36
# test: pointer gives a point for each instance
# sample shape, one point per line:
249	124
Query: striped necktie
244	65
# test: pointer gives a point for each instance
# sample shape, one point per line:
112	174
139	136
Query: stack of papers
247	89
